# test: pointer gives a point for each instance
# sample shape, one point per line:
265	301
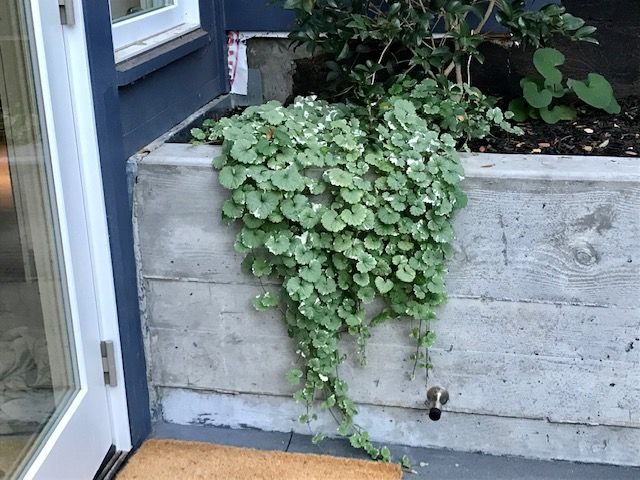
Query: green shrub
370	43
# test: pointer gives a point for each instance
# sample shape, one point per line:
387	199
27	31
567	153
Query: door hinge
65	8
107	351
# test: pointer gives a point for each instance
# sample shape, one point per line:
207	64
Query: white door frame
82	197
96	214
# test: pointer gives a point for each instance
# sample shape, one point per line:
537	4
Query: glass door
54	412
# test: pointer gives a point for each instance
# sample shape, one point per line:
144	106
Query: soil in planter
184	134
593	133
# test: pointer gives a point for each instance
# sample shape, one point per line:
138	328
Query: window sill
142	58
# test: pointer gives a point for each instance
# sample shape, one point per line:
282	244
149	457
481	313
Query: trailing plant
370	43
542	94
345	205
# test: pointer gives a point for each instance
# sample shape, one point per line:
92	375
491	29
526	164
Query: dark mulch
310	77
594	133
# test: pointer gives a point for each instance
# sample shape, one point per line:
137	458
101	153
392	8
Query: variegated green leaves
341	214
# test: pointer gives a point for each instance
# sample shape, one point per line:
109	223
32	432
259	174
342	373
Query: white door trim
83	225
87	145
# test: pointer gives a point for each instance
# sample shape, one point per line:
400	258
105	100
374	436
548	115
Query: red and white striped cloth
237	63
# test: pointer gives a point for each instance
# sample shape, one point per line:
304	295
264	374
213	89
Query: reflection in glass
37	362
123	9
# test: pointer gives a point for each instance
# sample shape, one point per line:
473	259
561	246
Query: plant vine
345	205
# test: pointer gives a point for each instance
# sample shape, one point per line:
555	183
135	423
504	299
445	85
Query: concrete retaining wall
539	345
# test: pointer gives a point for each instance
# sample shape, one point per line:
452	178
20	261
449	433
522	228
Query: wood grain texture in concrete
539	344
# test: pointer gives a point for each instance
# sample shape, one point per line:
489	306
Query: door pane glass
38	376
122	9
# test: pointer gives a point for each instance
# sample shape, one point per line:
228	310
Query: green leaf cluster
369	44
542	94
346	206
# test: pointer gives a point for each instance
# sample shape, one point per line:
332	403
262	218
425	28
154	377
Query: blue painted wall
257	15
128	117
153	104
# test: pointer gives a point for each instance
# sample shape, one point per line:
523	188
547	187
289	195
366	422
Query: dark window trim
257	15
134	68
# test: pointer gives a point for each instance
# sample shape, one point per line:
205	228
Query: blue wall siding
114	178
155	103
257	15
127	118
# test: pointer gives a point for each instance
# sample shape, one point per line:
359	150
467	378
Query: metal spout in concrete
436	398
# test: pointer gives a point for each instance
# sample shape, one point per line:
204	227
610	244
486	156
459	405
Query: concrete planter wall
539	345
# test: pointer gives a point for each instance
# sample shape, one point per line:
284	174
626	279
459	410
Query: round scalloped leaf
288	179
388	216
232	210
367	294
383	286
293	208
265	301
277	243
361	279
312	272
557	113
332	221
298	289
405	273
261	267
326	285
595	91
219	161
366	263
355	216
243	151
351	196
339	177
261	204
546	60
536	96
252	238
231	177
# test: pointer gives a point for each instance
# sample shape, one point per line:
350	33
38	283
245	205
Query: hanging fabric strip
237	62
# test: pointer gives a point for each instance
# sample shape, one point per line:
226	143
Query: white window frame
140	33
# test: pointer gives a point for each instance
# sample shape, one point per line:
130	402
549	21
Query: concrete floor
427	463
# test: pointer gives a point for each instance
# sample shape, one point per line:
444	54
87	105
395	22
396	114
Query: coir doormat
171	460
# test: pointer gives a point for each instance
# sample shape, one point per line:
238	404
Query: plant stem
384	52
487	16
483	22
415	363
